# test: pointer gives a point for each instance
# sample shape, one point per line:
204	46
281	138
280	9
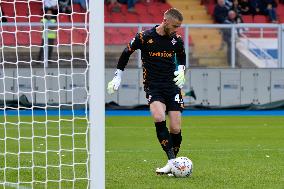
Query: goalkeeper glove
179	79
115	82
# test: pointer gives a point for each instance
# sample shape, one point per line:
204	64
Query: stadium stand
145	13
205	49
209	5
19	12
204	44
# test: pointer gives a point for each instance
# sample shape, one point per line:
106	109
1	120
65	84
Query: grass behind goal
227	152
39	153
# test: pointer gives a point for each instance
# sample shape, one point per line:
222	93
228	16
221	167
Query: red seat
36	37
78	17
77	8
247	18
8	8
132	18
9	39
260	19
23	38
154	10
22	8
35	18
79	36
23	28
146	18
21	19
107	19
210	9
64	36
36	7
118	39
63	18
140	8
109	30
281	19
117	18
123	31
108	39
280	9
164	7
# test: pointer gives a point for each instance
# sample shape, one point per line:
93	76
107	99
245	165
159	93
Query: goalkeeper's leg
163	135
175	130
175	139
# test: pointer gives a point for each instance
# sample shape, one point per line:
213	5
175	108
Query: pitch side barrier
24	104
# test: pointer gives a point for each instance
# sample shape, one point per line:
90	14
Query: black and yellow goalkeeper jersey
159	56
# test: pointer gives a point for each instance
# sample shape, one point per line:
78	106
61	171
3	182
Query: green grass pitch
227	152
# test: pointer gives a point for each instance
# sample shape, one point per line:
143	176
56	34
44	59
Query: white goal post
97	95
52	106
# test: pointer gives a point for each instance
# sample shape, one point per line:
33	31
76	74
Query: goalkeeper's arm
181	61
114	84
179	76
134	44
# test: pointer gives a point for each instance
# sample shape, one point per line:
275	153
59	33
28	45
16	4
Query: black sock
164	138
176	138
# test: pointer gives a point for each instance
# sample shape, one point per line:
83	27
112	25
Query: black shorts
171	97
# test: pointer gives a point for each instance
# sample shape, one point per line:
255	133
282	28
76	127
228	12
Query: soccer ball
182	167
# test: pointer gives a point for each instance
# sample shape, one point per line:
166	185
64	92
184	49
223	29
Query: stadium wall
212	87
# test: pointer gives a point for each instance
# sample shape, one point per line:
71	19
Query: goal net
44	124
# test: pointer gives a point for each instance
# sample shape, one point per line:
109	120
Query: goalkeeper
161	48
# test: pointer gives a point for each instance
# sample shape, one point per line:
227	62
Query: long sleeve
180	55
133	45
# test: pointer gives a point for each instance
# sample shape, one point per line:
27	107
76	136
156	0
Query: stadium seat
260	19
281	19
64	36
22	9
163	7
21	19
117	17
63	18
107	18
36	7
77	8
79	36
109	31
140	8
8	9
35	18
108	39
210	9
247	18
23	38
9	39
78	17
146	18
118	39
131	18
36	37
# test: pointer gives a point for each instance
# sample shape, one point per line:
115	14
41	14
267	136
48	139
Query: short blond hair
174	13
